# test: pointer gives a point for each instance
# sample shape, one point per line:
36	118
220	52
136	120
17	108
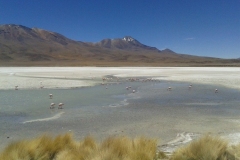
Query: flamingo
216	90
50	96
52	105
60	106
190	86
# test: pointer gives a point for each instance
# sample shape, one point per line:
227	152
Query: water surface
105	110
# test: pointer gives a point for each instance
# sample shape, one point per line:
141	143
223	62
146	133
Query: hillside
23	46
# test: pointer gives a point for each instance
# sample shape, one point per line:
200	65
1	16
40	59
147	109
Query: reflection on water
112	109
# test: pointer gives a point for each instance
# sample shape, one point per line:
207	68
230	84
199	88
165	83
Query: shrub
205	148
63	147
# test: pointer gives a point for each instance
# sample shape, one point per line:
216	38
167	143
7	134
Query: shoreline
58	115
72	77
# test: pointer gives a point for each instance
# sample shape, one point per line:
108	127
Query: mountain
126	43
23	46
19	42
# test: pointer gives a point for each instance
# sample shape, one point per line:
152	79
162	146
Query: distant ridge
125	43
24	46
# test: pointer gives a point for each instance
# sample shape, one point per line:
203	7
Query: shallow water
36	102
151	111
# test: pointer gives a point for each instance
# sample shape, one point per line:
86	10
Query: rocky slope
22	45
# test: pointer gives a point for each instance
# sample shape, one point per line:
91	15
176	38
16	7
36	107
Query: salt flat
55	77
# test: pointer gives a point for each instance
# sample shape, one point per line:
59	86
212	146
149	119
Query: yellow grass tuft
234	152
89	142
41	148
63	147
125	148
205	148
79	151
161	155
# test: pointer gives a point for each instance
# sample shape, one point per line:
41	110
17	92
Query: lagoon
174	117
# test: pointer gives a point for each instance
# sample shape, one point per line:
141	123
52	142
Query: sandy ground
54	77
67	77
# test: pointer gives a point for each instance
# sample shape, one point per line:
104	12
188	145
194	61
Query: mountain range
24	46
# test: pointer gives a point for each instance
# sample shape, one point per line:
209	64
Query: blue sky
197	27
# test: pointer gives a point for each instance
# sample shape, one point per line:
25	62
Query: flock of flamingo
52	105
144	80
60	105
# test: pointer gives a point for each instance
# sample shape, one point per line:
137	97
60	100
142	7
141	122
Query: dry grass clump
129	149
63	147
205	148
113	148
41	148
161	155
234	151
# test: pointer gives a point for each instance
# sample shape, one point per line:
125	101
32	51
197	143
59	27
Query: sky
197	27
